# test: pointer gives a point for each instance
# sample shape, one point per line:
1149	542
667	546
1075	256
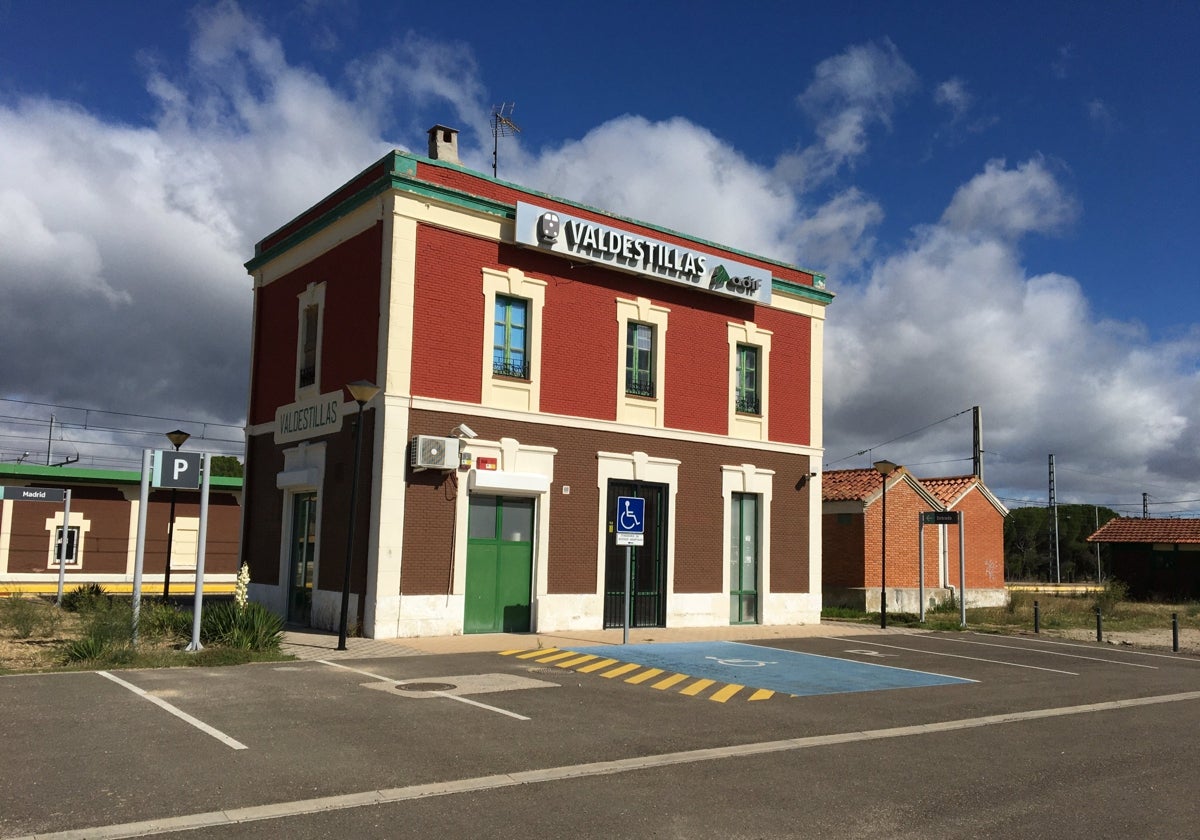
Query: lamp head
362	391
885	468
178	437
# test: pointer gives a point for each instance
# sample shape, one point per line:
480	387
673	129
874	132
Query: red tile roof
1123	530
950	489
849	485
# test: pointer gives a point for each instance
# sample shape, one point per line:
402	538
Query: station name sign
309	418
33	494
552	230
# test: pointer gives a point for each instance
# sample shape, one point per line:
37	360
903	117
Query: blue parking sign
631	520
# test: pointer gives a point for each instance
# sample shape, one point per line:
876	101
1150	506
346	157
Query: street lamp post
884	468
178	438
362	392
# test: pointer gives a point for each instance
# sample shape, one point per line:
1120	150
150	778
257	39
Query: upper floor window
748	395
308	346
308	339
639	359
510	351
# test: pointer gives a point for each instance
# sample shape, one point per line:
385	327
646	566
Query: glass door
304	545
743	559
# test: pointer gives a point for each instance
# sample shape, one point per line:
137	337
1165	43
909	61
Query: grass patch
36	635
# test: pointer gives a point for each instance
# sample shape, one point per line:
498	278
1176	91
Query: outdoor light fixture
362	392
884	468
178	438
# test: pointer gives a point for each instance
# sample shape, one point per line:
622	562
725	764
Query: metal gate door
648	578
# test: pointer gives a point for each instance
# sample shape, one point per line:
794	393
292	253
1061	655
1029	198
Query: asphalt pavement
1019	737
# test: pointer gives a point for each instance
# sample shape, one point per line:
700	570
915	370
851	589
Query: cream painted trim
187	544
511	457
77	521
634	410
6	533
304	456
747	478
747	426
313	295
566	421
780	300
397	307
635	466
505	392
131	539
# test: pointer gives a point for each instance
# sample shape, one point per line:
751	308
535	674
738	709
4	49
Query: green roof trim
400	173
83	475
788	288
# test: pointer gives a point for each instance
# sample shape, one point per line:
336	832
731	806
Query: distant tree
226	465
1029	548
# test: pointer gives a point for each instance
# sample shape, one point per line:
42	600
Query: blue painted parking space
784	671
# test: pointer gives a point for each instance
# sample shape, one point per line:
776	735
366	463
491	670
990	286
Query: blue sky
1002	195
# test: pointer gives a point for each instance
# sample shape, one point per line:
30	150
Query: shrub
1115	592
157	620
27	617
85	649
252	627
84	598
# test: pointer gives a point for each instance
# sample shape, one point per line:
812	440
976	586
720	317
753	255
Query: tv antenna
502	126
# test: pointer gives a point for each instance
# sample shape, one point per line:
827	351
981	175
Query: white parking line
179	713
1036	650
1176	657
860	640
571	772
460	699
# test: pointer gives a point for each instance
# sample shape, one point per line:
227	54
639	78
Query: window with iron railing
510	351
639	360
747	397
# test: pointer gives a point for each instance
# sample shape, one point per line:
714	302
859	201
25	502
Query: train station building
520	361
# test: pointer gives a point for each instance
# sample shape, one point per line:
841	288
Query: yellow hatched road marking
696	687
725	693
596	666
571	663
537	652
637	679
616	672
762	694
511	652
669	681
562	654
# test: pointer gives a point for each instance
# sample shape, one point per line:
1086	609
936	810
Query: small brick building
852	531
537	359
103	532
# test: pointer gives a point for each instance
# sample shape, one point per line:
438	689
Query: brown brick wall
696	519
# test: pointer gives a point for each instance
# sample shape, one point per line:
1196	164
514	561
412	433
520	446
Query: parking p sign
180	470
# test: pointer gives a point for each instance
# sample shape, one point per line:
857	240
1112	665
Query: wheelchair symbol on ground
742	663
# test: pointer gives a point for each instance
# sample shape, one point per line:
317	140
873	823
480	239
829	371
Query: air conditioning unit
434	453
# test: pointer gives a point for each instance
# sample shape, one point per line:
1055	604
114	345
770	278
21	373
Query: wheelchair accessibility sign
631	520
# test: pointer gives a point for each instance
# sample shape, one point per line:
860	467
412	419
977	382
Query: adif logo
722	280
547	228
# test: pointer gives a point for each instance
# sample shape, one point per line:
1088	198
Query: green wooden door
499	565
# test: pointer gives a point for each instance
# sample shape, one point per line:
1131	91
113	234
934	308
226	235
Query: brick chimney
443	144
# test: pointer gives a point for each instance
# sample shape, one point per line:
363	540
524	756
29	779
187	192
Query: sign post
49	494
631	531
944	517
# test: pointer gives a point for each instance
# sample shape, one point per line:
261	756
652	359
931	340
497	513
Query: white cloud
130	242
1011	202
954	95
850	93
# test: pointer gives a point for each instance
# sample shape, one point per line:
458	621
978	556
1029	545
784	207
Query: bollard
1099	627
1037	618
1175	632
